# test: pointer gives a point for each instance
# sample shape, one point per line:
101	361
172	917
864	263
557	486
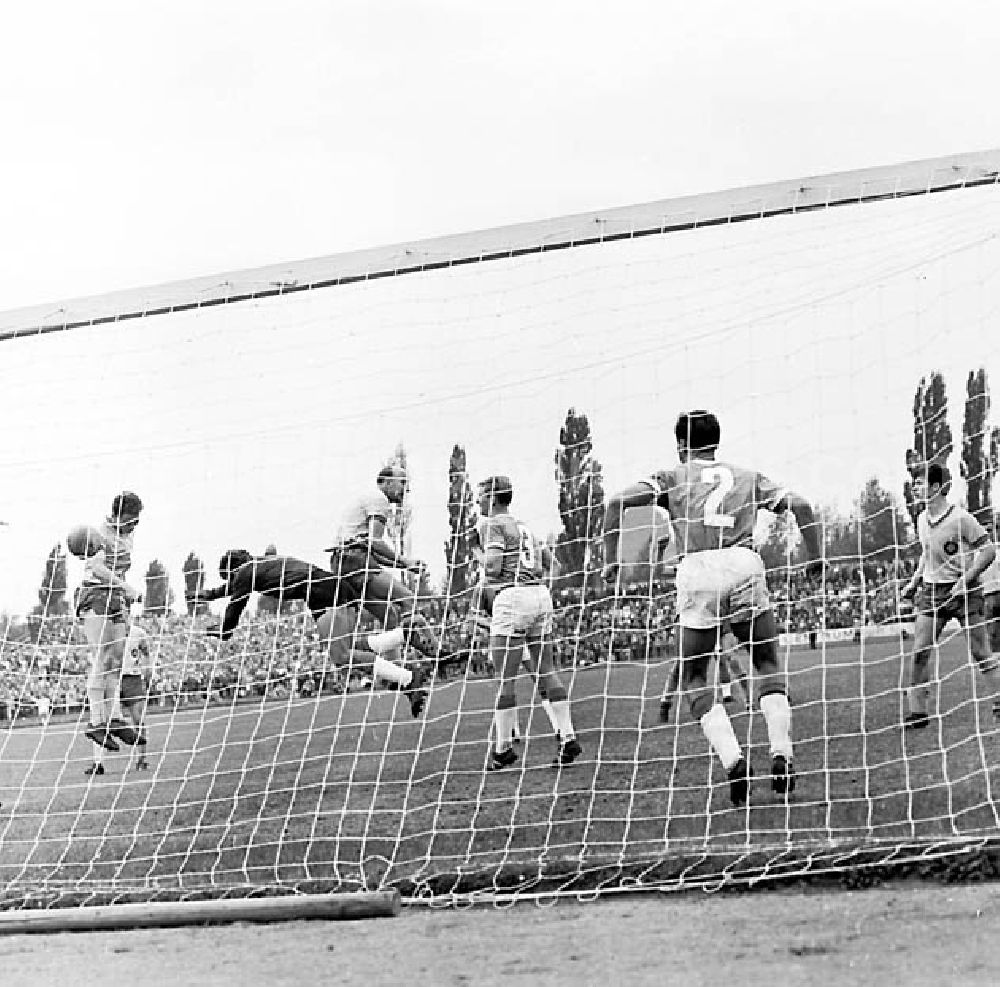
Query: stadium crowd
43	665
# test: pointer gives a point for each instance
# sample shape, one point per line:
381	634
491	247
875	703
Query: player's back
275	572
522	555
713	504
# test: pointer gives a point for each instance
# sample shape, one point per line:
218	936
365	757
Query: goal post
837	324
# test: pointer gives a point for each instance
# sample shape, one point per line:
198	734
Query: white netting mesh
255	423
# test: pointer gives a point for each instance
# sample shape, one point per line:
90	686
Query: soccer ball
84	541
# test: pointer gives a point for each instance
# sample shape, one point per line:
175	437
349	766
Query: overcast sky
151	142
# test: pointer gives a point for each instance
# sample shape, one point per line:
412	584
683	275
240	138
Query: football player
521	617
103	606
713	505
362	558
138	666
955	551
328	598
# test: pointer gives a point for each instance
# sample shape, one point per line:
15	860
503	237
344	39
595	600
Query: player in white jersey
955	552
362	558
521	617
103	606
713	506
138	666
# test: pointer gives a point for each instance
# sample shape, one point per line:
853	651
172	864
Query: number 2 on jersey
721	480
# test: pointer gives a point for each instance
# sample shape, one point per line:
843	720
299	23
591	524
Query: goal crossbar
691	212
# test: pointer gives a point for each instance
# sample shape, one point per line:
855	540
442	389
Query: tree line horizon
880	525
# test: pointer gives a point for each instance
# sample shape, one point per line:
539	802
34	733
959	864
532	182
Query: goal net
833	324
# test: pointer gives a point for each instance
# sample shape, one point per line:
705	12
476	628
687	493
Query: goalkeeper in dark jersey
329	600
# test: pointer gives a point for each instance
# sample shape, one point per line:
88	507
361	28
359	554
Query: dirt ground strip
918	935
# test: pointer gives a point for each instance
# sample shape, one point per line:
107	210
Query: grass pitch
342	792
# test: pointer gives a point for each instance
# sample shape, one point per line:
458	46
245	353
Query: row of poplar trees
875	525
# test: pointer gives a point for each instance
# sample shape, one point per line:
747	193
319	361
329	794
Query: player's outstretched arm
209	595
809	527
384	553
239	591
636	495
232	618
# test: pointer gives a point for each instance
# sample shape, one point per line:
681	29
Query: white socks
504	721
383	669
386	641
98	711
550	713
778	717
718	730
916	698
563	720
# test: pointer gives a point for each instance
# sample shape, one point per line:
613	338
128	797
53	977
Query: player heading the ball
713	505
103	607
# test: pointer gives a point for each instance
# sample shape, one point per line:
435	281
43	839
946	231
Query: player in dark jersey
720	578
328	598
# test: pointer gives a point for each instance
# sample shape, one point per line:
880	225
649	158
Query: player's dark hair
503	497
938	474
233	559
698	430
126	504
391	473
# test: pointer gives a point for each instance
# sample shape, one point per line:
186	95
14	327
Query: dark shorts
355	567
933	601
333	591
353	563
132	690
969	610
104	601
991	602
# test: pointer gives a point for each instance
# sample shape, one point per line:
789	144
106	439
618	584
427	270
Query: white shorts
719	585
523	610
96	628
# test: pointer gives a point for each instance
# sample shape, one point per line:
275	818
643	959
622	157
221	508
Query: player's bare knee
764	657
772	685
700	701
694	673
554	693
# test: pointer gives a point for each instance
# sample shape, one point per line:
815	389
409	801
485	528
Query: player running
955	552
363	559
713	505
103	607
328	598
521	617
